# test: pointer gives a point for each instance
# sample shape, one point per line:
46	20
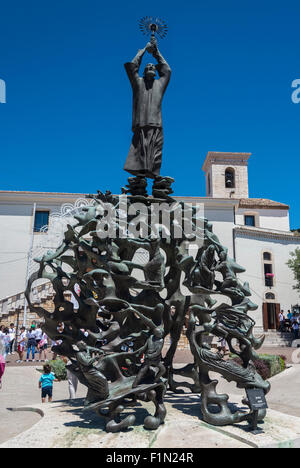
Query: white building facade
255	231
22	215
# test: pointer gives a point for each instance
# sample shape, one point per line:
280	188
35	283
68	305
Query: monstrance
156	27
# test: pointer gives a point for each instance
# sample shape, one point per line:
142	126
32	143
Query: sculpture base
64	426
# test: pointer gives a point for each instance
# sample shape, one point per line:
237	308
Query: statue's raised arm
132	68
162	67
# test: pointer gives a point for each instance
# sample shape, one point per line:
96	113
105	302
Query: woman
43	345
38	335
21	344
31	343
12	336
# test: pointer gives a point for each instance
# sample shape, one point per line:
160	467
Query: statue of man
145	154
98	388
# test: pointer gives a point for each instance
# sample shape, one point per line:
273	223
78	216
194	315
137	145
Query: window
267	256
270	296
249	220
229	178
41	219
268	270
209	184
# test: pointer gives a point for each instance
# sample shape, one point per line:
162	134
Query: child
21	344
46	383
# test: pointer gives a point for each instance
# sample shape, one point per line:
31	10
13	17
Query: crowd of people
7	339
31	344
34	345
289	323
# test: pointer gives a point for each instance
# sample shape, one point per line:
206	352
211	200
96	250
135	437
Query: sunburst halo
150	25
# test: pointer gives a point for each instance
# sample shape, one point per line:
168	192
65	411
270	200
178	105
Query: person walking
38	335
43	345
12	336
46	383
295	327
294	317
6	342
281	321
31	343
21	340
72	379
288	322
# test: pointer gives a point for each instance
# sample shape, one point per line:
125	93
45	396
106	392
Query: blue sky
66	126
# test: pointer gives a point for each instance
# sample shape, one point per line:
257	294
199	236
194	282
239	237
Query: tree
294	265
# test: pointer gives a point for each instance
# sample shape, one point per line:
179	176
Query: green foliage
294	264
267	365
58	368
275	363
282	363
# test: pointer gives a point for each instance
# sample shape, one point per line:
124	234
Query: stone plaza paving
63	424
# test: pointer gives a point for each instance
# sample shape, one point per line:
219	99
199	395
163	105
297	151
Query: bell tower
226	174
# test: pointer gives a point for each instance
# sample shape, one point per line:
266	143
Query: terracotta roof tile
262	203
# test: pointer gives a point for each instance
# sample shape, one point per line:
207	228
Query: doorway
271	316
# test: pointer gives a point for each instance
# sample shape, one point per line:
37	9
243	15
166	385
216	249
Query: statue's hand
149	48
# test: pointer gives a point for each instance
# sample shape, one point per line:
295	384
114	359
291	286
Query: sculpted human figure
152	350
145	154
228	269
98	384
155	268
203	274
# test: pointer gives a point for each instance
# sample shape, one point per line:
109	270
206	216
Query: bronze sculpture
145	153
115	339
144	158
